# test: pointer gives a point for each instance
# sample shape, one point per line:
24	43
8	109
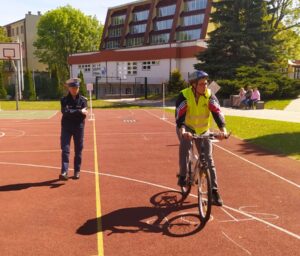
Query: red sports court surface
140	213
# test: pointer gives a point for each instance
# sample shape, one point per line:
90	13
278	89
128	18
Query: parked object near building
142	43
294	69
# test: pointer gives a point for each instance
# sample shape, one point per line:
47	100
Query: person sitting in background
255	97
247	101
241	95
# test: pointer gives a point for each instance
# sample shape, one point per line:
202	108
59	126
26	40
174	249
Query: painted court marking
278	228
2	134
241	158
235	243
100	244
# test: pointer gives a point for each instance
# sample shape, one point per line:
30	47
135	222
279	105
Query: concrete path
279	115
294	105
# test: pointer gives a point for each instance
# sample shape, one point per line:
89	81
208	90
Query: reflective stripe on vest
197	115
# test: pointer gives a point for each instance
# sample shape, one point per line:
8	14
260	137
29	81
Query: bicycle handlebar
211	135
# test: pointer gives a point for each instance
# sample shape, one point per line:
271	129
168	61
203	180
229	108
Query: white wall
158	73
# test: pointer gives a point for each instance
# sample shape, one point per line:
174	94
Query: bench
260	105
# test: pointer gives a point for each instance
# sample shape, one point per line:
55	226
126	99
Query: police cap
73	82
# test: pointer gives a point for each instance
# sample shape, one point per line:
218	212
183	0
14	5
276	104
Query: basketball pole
164	104
16	84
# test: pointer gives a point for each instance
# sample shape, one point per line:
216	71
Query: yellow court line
98	198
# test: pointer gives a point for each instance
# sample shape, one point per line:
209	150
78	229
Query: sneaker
181	181
76	175
216	198
63	176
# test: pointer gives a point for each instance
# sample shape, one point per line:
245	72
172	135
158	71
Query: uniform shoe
216	198
63	176
181	181
76	175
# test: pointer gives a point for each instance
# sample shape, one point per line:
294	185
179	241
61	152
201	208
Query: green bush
176	83
271	84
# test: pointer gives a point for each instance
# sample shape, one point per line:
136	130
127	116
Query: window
188	35
192	20
118	20
132	68
141	28
134	41
160	39
166	11
22	29
17	31
146	65
113	44
85	67
195	5
115	32
164	24
139	16
12	32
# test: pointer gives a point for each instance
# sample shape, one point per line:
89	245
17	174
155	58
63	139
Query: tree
56	90
82	88
3	35
62	32
176	83
288	47
29	92
242	38
284	14
3	92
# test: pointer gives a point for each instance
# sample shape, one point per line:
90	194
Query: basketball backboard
10	51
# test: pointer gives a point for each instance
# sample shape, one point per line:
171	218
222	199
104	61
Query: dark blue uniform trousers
66	134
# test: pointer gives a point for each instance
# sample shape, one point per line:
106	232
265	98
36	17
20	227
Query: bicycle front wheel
204	194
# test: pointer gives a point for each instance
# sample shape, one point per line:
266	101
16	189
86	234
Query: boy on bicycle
193	108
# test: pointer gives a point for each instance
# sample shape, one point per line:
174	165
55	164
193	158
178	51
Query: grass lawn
277	104
275	136
55	105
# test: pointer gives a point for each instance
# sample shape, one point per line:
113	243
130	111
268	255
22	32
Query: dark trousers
205	149
66	134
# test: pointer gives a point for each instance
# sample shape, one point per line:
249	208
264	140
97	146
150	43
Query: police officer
74	111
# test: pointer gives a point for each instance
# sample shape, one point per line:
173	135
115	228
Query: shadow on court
163	217
21	186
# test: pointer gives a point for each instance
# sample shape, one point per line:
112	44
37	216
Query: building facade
25	32
142	43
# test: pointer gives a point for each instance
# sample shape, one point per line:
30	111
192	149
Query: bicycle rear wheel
204	194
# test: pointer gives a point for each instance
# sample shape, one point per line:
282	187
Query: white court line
168	188
53	115
241	158
35	151
231	240
260	167
2	134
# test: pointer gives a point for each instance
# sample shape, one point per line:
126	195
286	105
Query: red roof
136	55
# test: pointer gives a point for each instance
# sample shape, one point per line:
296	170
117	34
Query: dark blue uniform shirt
71	110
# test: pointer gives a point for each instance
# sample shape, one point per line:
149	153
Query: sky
16	9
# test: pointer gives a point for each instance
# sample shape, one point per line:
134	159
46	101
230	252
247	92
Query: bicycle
198	174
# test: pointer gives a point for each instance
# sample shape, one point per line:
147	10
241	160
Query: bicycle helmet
197	75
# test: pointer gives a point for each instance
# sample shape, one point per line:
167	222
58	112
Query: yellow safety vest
197	115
